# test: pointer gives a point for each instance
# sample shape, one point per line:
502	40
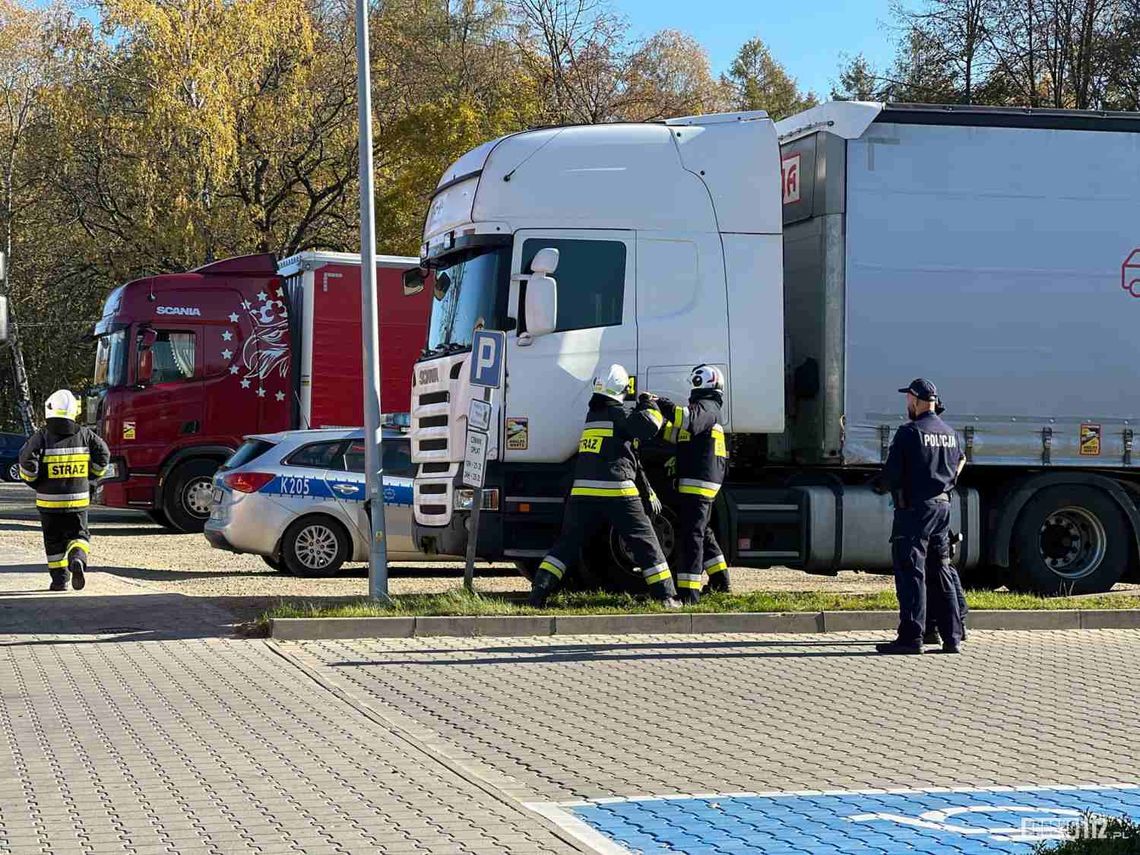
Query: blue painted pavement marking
965	821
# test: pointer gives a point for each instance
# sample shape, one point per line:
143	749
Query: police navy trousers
588	516
65	537
698	551
959	596
920	544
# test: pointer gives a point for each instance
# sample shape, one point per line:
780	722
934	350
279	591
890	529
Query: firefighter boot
719	581
77	564
58	580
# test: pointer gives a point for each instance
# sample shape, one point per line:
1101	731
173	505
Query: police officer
922	467
61	461
701	464
605	491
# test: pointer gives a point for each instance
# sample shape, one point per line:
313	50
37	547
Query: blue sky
807	38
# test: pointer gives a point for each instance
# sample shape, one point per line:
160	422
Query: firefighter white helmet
614	384
707	377
62	405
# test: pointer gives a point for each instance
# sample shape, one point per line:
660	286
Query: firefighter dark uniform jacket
702	454
606	467
60	461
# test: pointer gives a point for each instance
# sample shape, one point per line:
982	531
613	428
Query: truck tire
1069	539
315	546
158	516
607	566
186	494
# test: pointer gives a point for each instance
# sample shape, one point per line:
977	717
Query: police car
297	499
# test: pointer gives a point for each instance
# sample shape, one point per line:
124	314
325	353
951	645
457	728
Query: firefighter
923	464
701	464
61	461
605	491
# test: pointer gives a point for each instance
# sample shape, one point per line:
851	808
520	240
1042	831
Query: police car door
350	488
550	377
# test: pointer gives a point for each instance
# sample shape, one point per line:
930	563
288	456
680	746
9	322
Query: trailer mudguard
1024	490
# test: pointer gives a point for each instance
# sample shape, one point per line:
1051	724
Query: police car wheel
276	564
12	473
1069	539
315	546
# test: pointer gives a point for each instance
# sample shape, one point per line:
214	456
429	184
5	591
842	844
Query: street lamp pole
373	450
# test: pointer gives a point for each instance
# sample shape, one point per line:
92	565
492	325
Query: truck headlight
463	499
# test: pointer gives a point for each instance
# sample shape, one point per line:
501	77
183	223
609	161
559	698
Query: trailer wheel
186	495
1069	539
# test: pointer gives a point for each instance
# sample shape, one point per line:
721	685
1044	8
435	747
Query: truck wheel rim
198	495
1072	542
316	547
666	536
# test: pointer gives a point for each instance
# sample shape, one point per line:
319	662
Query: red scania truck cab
188	363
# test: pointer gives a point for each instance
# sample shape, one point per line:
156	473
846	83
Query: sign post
373	454
488	351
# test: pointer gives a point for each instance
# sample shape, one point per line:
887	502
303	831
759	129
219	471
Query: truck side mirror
541	304
414	278
3	319
145	371
545	261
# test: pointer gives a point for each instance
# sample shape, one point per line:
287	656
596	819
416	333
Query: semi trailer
188	363
821	262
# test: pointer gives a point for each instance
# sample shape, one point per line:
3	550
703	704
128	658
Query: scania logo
187	311
429	375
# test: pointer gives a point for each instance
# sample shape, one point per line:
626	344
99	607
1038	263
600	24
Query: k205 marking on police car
291	485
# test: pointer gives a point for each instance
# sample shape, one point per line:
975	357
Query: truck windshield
111	359
470	294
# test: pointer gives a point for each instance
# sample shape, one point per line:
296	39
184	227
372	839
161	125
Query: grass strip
461	603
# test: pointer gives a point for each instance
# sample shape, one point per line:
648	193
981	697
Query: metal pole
373	454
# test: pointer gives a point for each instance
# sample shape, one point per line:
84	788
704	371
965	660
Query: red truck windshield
111	359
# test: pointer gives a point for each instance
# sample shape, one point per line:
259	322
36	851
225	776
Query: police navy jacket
702	454
60	461
923	460
606	467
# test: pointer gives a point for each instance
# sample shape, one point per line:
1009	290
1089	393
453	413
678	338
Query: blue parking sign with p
488	349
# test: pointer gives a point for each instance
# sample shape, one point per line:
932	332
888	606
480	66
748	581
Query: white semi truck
822	263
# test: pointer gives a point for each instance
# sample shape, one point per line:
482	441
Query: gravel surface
129	545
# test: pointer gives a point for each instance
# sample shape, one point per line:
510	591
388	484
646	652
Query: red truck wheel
186	495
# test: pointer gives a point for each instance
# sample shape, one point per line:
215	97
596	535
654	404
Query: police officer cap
922	389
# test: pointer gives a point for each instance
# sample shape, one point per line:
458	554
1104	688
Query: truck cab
185	365
658	229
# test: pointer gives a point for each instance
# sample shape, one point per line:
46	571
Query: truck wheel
159	516
606	564
186	496
315	546
1069	539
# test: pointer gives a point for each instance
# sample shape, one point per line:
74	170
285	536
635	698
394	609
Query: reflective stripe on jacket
606	467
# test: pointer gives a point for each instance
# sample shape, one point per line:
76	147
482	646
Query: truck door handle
190	427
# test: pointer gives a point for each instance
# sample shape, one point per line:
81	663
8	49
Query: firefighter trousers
697	549
66	539
587	517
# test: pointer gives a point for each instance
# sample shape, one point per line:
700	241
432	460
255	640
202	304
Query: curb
689	623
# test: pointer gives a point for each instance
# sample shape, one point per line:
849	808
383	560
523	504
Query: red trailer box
188	363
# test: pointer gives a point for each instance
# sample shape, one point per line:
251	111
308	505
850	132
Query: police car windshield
470	294
111	359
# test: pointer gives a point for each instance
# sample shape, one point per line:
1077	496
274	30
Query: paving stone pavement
551	719
194	744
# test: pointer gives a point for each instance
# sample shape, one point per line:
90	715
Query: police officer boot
58	580
932	637
898	647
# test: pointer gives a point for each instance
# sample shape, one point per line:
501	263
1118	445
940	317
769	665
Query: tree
758	82
669	75
858	81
